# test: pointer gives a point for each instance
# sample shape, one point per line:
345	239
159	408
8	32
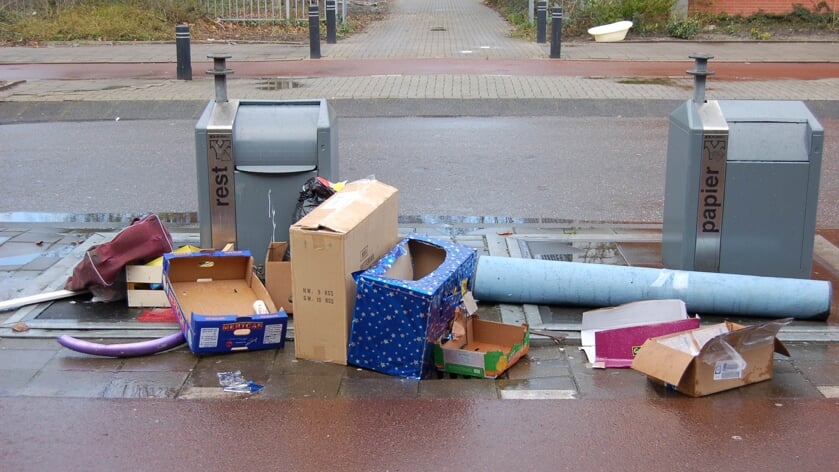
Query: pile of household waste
360	294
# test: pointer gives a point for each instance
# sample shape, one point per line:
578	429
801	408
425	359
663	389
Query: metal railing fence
223	10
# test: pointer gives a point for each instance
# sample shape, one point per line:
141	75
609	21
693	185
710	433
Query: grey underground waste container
253	158
742	186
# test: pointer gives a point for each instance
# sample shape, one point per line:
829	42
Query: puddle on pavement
84	310
113	219
23	259
279	83
20	260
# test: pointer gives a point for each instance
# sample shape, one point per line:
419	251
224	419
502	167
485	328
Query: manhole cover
279	83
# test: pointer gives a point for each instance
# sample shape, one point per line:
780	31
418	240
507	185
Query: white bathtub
610	33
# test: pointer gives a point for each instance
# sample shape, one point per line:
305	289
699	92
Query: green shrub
683	29
646	15
124	20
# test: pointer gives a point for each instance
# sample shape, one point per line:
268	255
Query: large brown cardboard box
347	233
712	358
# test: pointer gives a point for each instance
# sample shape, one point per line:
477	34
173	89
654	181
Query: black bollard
314	32
330	21
541	21
184	55
556	32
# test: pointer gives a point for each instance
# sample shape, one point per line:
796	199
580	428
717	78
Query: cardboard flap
421	259
645	312
217	265
276	251
661	362
781	349
617	347
418	264
496	333
634	314
342	212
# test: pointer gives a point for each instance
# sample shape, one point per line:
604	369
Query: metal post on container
183	52
314	31
220	71
699	72
330	21
556	32
541	21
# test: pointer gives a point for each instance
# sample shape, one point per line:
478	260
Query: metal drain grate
556	257
568	251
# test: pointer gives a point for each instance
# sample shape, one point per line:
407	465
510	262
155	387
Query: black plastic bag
315	191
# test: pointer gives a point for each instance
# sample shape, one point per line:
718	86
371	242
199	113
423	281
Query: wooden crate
141	281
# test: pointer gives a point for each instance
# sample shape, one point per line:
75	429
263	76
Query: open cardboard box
213	296
611	337
712	358
405	304
278	276
348	232
480	348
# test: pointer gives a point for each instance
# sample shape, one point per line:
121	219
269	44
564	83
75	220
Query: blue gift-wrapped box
405	303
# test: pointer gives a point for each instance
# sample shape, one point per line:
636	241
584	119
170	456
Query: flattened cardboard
348	232
611	336
212	295
405	304
712	358
278	276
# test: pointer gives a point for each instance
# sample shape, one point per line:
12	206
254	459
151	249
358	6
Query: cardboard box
348	232
212	295
713	358
484	349
278	276
610	337
405	304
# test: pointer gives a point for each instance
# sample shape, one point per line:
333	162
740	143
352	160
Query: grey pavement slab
421	87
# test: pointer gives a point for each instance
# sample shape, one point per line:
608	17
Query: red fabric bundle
102	265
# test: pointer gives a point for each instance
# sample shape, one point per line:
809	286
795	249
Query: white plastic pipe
515	280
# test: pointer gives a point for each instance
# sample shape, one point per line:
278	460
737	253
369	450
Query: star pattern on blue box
397	321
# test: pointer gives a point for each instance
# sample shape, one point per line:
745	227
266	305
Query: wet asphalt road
584	168
397	434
